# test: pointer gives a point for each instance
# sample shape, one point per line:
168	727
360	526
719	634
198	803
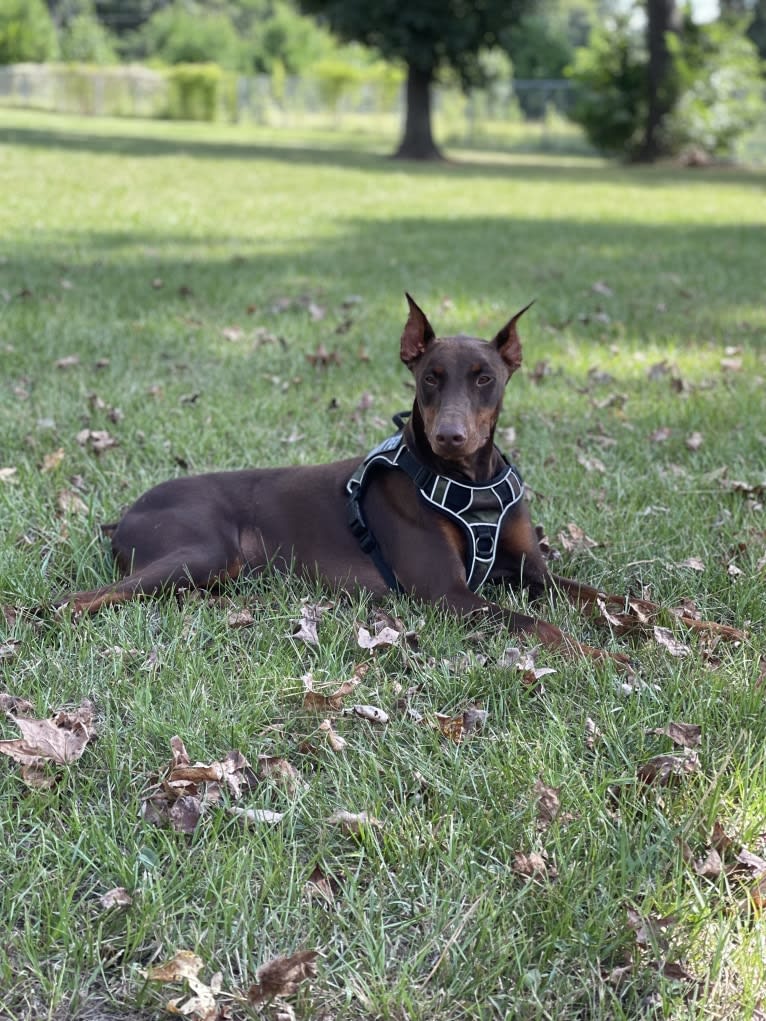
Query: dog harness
478	510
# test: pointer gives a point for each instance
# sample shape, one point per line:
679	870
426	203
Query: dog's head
459	382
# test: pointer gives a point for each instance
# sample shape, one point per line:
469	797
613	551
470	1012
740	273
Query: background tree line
650	80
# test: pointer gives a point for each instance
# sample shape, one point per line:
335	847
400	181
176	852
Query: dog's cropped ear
507	341
418	334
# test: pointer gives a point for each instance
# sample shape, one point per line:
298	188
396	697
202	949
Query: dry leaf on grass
367	712
321	884
693	563
68	502
694	441
53	460
591	464
524	663
709	867
662	769
650	929
664	637
9	648
592	734
548	804
686	735
660	435
281	772
321	358
186	789
60	740
282	976
240	618
7	474
335	741
458	728
532	866
98	440
185	967
13	705
575	540
353	822
255	816
322	703
116	898
385	637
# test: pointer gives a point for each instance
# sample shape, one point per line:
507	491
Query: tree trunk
662	18
417	142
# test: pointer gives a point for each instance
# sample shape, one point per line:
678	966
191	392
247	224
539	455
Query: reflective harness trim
478	510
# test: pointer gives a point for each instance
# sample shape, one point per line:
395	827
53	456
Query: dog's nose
451	436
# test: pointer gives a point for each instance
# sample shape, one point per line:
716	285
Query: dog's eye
430	379
484	380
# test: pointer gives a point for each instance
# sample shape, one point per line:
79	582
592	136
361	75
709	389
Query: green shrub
190	35
335	79
26	32
199	92
85	40
610	75
721	88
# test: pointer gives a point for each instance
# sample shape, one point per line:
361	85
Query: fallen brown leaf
664	637
281	772
591	464
240	618
185	967
116	898
694	441
98	440
368	712
458	728
662	769
322	884
693	563
13	705
686	735
255	816
532	865
649	929
336	742
53	460
68	502
711	866
321	358
592	734
548	804
282	976
9	648
575	540
67	362
660	435
353	822
322	703
61	740
386	636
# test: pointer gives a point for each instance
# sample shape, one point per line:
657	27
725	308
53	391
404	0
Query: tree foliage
715	83
27	32
428	36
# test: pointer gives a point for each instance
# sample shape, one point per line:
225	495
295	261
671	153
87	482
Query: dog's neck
479	467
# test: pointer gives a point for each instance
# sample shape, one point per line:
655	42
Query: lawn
165	284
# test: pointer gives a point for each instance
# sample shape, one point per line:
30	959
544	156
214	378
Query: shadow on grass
698	274
148	146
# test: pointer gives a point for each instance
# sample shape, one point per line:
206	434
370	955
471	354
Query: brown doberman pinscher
434	512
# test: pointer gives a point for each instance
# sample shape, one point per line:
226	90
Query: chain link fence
137	91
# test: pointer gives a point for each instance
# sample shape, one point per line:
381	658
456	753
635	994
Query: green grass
94	212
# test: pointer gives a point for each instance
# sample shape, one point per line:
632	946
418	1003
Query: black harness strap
478	510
